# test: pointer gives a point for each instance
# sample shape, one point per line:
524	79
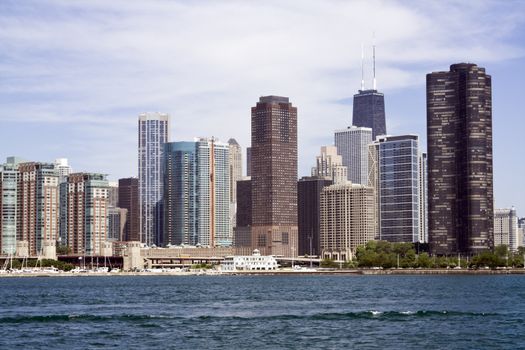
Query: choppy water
263	312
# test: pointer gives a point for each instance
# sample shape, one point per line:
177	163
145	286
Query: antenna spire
374	60
362	67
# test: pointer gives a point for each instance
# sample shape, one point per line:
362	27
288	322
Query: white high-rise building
352	144
153	134
330	165
235	173
506	229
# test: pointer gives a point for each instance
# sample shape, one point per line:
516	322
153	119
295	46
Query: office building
274	176
128	198
352	145
369	111
506	230
84	205
153	134
395	176
37	205
309	191
460	180
347	220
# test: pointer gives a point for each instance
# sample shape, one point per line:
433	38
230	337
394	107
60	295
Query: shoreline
349	272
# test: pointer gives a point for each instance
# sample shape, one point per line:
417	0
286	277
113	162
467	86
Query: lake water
263	312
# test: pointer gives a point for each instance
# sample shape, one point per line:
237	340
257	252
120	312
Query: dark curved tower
460	184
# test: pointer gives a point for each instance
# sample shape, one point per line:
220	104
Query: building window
284	238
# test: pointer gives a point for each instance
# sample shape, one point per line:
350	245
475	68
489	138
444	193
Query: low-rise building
256	261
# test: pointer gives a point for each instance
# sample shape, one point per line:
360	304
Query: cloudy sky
74	75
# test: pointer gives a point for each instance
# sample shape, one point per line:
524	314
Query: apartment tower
460	180
128	198
153	134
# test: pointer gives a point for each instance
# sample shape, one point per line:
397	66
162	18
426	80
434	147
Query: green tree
328	263
501	251
424	261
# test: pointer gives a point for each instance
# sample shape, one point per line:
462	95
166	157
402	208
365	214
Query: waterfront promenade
321	271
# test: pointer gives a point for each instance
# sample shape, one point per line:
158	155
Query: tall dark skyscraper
460	184
309	190
274	176
128	198
369	111
369	105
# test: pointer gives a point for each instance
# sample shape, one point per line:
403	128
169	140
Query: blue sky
76	74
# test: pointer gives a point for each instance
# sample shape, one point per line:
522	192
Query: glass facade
8	207
398	188
153	133
180	193
197	193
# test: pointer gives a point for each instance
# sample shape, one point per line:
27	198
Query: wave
75	318
372	314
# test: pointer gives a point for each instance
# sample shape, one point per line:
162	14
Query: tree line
383	254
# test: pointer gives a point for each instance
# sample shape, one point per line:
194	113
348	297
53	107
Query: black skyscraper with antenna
369	105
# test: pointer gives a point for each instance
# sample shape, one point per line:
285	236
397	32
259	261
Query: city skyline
90	91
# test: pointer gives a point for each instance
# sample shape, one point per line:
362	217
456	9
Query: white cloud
98	64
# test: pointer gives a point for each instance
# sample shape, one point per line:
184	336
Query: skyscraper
180	193
37	205
197	195
84	203
128	198
235	173
153	133
214	193
369	111
394	170
8	205
460	183
274	176
352	145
